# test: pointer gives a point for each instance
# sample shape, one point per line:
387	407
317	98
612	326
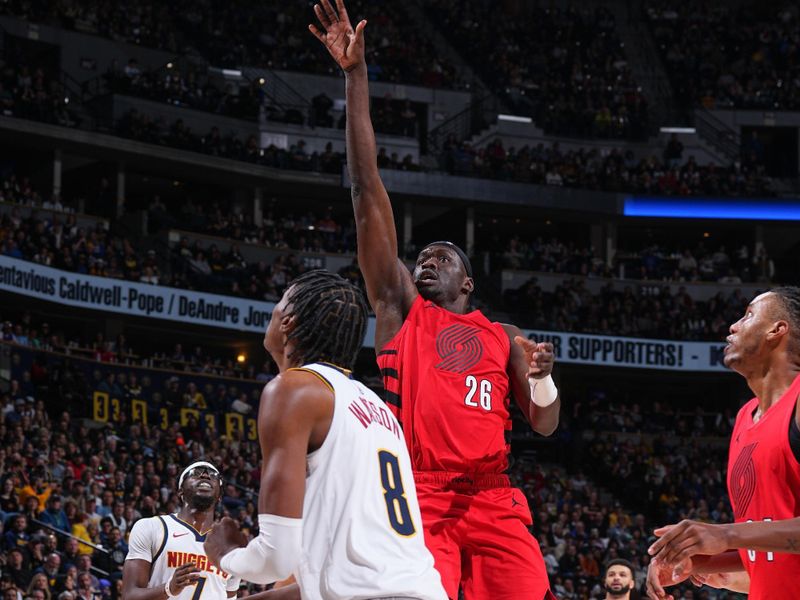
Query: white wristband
543	391
166	586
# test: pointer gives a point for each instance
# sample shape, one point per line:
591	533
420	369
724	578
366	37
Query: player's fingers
317	33
654	589
698	580
330	12
342	11
662	531
524	343
681	550
544	347
323	18
360	30
665	536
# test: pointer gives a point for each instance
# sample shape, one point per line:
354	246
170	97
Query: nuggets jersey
446	381
362	531
764	485
167	542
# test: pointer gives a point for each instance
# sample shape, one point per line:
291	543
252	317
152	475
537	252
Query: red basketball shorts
477	531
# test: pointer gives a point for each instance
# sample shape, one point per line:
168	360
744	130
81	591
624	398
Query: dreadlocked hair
789	296
331	318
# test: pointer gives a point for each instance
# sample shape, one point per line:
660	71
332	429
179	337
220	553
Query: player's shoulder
150	525
297	381
294	390
509	329
747	408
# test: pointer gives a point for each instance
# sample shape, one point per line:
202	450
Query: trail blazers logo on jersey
743	480
459	347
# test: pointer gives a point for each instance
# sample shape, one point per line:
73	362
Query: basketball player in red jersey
761	550
448	372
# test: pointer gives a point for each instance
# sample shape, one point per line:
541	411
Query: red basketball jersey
764	485
445	380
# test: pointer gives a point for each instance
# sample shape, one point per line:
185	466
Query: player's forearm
766	536
726	562
738	582
544	419
148	593
362	162
545	404
291	592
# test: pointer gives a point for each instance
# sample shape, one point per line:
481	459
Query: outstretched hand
688	538
660	575
344	44
538	356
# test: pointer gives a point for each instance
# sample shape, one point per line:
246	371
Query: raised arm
390	288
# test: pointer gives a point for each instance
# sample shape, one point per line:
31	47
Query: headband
199	463
461	254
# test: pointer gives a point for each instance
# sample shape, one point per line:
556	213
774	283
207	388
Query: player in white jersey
337	505
166	558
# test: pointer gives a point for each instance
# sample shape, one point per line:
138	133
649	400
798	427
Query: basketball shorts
477	531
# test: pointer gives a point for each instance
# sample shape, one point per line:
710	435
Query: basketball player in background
448	371
337	505
618	581
166	557
760	553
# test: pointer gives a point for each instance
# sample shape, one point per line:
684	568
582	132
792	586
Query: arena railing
80	540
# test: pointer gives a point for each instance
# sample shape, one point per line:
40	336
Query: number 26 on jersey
479	393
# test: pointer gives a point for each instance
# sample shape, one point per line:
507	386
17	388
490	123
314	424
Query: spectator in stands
17	537
86	590
673	153
15	568
54	515
39	587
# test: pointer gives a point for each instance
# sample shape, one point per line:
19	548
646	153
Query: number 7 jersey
167	542
362	530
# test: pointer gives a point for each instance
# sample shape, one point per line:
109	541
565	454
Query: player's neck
460	306
201	520
770	385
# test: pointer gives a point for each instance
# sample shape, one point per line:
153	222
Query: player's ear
468	286
778	330
288	323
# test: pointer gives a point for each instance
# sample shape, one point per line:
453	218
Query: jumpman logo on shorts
514	502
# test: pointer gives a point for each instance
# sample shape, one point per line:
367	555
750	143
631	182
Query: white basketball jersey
362	530
167	542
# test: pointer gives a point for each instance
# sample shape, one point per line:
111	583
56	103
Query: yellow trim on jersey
189	525
313	372
347	372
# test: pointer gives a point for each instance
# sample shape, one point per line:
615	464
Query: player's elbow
546	429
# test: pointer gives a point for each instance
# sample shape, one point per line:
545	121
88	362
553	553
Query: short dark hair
331	318
621	562
789	297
